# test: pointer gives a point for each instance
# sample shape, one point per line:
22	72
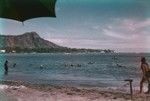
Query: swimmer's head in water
6	61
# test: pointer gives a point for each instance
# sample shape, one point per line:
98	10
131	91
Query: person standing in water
6	67
146	74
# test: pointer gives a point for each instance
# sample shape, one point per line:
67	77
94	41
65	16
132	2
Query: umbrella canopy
22	10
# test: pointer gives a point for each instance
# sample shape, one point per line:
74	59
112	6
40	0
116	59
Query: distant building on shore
13	51
2	51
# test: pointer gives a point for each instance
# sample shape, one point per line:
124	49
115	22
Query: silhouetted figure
41	67
78	65
14	65
90	62
6	67
146	74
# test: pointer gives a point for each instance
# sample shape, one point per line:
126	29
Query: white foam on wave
3	87
18	87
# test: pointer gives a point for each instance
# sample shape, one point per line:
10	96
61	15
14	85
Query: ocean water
73	69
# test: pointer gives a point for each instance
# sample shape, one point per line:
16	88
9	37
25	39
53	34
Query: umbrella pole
131	90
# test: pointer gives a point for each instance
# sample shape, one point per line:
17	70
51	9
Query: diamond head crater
30	42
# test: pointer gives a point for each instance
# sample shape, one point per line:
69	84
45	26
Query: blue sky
121	25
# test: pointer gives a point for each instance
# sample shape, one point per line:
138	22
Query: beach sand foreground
55	93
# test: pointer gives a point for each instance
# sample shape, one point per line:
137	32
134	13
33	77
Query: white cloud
135	25
127	28
57	41
113	34
123	35
96	27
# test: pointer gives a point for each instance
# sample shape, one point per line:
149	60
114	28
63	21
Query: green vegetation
53	50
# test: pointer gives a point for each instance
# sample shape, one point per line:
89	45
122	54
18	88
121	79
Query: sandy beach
61	93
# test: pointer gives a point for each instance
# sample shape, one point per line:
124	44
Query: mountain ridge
32	42
27	40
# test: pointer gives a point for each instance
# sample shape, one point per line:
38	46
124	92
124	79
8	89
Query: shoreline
53	93
20	91
31	92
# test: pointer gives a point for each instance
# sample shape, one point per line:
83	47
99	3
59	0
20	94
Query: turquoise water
92	70
2	59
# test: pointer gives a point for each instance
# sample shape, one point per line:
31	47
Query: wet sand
18	91
56	93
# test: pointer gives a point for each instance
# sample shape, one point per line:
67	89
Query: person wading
145	74
6	67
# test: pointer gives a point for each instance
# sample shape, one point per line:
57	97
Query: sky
120	25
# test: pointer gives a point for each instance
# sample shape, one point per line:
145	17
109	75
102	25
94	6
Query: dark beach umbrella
22	10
